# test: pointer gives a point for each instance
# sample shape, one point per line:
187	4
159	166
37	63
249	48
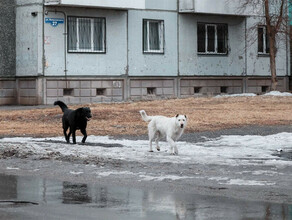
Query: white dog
161	126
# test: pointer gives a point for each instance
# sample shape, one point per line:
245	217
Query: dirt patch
204	114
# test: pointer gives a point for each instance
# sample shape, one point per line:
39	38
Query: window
197	90
68	92
223	89
263	41
212	38
153	36
86	35
151	91
100	91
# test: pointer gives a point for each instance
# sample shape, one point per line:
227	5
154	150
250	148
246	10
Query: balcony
115	4
222	7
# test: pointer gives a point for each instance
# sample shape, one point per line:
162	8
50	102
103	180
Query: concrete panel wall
7	38
113	62
261	85
8	92
121	4
212	86
141	64
227	7
145	89
29	40
28	92
258	65
191	63
76	91
170	5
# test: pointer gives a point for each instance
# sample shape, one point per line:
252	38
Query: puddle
37	198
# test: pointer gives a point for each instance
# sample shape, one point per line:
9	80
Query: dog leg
73	136
83	131
151	137
65	128
157	141
68	136
173	148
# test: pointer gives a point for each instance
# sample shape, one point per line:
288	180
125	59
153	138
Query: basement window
100	91
265	88
68	92
223	89
197	90
151	91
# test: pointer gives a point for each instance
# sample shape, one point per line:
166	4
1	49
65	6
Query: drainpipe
178	92
65	41
245	80
127	83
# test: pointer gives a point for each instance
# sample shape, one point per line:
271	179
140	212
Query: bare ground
204	114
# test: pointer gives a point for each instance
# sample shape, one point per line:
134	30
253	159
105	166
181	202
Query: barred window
212	38
263	40
153	36
86	35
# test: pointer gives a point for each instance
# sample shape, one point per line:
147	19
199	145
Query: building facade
111	51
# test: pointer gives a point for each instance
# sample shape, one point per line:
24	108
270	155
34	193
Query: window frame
91	50
215	41
161	30
265	41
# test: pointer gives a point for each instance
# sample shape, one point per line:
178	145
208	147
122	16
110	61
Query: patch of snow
232	150
162	178
12	168
242	182
75	173
266	172
236	95
218	178
277	93
108	173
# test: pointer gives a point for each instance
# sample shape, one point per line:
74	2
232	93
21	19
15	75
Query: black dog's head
86	113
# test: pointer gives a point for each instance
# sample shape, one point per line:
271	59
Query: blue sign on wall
54	21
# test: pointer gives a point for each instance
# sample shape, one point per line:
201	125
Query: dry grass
124	118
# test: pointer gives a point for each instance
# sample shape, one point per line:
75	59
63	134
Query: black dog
74	119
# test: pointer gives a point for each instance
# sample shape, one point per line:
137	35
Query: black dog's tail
62	105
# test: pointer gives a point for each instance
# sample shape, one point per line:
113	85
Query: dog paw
151	151
158	149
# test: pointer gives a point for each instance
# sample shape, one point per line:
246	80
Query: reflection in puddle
36	198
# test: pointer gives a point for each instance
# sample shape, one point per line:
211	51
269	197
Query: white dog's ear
177	115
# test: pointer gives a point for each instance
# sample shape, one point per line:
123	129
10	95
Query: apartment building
111	51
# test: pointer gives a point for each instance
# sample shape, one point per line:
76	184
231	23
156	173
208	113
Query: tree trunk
273	52
272	39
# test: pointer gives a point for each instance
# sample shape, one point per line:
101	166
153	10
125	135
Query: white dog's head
181	120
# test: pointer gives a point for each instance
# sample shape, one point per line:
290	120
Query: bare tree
275	13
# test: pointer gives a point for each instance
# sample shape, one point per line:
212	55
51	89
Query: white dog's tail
145	117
